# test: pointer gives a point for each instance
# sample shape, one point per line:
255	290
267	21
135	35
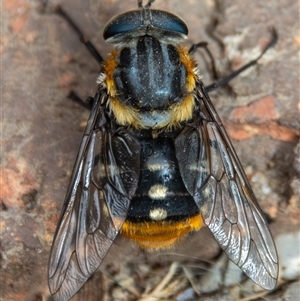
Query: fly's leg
204	45
89	46
234	74
88	104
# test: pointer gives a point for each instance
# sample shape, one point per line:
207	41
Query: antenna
140	4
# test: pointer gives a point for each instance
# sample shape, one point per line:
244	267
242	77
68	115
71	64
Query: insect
155	162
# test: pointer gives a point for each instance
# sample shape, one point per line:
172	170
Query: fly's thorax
149	75
150	83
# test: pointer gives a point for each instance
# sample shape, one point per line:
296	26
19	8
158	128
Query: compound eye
124	23
137	23
168	22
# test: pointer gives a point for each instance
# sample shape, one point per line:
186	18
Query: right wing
213	175
104	180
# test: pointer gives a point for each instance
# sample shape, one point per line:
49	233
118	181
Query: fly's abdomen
162	211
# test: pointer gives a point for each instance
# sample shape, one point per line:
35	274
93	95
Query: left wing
104	180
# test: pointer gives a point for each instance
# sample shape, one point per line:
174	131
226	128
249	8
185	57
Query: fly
155	161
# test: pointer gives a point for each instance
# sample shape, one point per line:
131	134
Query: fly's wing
104	180
213	175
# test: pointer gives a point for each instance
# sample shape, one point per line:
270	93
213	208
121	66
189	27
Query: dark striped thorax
150	81
149	77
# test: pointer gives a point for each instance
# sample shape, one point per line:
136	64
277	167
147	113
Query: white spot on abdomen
157	192
158	214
